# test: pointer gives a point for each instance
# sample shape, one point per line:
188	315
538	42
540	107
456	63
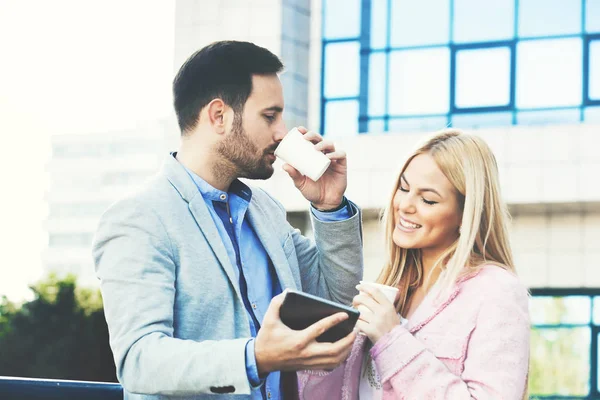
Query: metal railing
45	389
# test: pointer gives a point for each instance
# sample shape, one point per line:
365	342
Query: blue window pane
598	359
420	22
342	63
419	81
341	118
549	73
377	84
549	117
379	23
550	310
594	83
596	316
341	19
549	17
483	77
592	114
480	21
592	16
481	120
426	124
376	126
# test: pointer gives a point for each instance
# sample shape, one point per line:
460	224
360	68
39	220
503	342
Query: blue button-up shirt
257	279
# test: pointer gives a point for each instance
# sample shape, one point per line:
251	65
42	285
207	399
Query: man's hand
279	348
327	193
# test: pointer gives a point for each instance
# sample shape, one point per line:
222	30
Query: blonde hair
470	166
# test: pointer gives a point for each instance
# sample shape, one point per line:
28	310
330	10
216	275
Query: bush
61	334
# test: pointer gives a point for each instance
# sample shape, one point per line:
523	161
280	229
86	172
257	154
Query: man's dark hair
220	70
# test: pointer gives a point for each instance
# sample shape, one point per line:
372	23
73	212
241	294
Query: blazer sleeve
133	258
331	265
496	363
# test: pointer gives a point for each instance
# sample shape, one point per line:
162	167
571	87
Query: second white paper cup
302	155
389	291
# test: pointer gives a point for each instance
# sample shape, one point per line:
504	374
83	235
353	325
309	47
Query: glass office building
525	74
393	66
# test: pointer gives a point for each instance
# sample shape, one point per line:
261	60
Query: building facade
376	76
88	172
522	74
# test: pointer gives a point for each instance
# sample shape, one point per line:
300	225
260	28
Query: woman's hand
378	315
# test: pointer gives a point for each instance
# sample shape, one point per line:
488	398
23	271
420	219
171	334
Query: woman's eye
429	202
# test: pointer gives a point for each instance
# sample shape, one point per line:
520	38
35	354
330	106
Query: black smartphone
300	310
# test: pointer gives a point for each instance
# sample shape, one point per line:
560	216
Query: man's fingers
328	148
313	137
330	355
336	348
346	342
277	301
320	327
337	155
325	146
274	307
296	176
292	172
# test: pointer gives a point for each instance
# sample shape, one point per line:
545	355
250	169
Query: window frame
364	118
587	40
594	392
455	48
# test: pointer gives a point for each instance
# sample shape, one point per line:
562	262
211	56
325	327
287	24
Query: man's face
257	131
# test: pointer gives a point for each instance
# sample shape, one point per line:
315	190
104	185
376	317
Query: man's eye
270	118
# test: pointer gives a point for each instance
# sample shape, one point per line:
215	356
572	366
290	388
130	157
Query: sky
69	67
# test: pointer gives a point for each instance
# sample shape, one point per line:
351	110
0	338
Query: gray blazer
177	323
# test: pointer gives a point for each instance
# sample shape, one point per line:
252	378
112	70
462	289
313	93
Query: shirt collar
209	192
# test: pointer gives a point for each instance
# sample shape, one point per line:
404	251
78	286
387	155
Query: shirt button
254	305
223	196
269	395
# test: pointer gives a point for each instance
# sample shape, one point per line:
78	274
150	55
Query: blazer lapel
259	221
432	306
181	181
211	234
429	308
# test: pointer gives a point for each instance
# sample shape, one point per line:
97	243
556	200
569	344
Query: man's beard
242	156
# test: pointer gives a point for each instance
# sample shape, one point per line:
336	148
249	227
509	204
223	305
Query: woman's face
427	212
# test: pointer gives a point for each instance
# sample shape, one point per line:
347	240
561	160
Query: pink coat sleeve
496	357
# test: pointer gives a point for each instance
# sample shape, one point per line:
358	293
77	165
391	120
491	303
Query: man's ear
216	115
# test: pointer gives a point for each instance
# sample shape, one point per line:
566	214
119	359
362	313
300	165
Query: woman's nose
406	203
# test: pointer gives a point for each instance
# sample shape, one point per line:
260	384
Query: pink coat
472	345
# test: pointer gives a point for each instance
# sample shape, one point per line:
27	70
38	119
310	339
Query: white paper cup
389	291
302	155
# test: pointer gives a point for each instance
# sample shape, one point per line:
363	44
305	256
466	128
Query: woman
459	328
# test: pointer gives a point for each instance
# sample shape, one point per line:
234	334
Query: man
192	267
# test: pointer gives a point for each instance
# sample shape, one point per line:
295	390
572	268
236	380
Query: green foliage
560	361
560	357
60	334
